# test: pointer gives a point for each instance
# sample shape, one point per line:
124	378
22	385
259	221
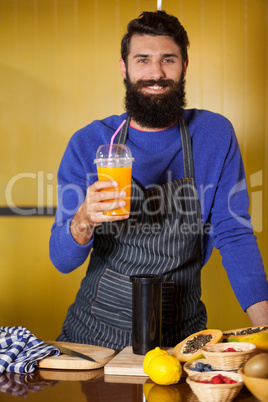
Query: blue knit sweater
220	182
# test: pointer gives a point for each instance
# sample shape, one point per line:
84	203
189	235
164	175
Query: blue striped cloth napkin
20	350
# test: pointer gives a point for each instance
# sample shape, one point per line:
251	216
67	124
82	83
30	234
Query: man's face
153	58
154	79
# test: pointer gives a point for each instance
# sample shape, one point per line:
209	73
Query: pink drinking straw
113	137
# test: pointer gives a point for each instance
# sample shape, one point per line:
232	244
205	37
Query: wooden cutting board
127	363
101	354
70	375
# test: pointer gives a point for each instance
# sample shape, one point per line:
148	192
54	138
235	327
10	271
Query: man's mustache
149	83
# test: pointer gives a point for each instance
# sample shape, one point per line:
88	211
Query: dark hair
156	23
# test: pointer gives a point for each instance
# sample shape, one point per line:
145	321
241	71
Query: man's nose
156	71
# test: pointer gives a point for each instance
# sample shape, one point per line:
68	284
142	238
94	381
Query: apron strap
185	139
122	135
186	149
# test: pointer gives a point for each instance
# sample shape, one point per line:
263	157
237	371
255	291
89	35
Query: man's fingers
100	185
110	195
103	196
104	206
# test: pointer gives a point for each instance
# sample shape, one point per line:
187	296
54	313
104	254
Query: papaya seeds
256	335
189	348
196	343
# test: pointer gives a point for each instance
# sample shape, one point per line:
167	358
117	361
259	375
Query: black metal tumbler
146	313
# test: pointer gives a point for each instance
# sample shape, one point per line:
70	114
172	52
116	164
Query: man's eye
168	61
142	61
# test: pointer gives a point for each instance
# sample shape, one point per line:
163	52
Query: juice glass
115	163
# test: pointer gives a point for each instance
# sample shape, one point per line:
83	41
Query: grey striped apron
163	236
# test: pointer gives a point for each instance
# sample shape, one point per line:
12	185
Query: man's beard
155	110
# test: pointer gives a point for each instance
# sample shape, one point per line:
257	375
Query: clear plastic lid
117	151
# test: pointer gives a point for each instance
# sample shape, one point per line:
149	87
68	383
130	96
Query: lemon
164	394
149	355
147	386
164	369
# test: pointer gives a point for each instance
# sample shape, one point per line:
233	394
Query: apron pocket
113	303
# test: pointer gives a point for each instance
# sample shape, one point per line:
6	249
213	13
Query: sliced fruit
257	335
189	348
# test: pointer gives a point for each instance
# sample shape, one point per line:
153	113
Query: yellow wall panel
33	293
58	72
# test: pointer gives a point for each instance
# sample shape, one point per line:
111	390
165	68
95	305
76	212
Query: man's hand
90	213
258	313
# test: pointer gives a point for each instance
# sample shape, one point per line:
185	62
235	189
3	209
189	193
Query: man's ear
185	66
122	68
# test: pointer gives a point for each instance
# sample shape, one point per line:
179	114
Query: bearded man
178	153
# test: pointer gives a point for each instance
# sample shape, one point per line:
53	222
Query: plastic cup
115	163
146	313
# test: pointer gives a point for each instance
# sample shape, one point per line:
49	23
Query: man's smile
154	88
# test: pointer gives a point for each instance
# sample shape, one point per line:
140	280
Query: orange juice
122	175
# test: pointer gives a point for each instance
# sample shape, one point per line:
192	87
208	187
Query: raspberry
216	380
229	350
228	380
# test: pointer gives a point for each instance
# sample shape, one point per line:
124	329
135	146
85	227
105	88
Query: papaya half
257	335
189	348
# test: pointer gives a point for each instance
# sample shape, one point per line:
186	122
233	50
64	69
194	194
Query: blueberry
209	366
192	368
199	366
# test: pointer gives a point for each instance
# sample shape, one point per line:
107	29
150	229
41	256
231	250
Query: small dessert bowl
207	392
189	367
229	361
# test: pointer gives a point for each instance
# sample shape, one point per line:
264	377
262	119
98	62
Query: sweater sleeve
65	253
232	231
